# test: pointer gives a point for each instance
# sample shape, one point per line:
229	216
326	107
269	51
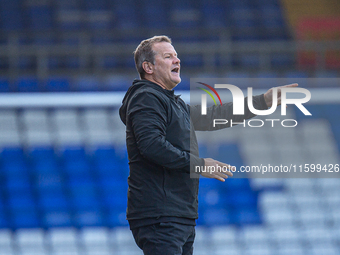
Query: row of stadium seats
71	186
61	186
44	188
277	61
248	19
50	183
121	83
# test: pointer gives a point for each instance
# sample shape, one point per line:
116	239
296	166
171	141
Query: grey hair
144	52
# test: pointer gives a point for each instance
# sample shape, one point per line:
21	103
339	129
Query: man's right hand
218	175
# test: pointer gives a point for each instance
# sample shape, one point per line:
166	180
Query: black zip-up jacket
161	142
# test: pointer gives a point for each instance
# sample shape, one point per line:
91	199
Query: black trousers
168	238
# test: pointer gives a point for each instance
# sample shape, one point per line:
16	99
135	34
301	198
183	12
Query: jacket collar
170	93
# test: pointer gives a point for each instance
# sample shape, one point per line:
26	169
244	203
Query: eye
167	57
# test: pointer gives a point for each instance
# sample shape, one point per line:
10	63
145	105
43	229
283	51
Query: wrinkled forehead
161	48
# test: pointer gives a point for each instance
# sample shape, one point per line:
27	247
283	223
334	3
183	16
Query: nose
177	60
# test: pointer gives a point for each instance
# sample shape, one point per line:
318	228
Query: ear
147	66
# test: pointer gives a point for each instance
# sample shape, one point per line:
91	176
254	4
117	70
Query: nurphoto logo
238	104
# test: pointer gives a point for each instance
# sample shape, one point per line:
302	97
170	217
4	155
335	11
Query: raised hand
268	96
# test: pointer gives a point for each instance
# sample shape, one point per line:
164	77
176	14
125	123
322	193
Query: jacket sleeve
225	111
148	115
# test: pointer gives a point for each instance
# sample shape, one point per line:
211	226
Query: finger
221	164
227	166
290	85
219	178
224	174
230	168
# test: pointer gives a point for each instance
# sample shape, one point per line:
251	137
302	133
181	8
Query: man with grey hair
161	144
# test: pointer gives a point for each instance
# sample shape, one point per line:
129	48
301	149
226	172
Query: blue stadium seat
4	64
21	202
104	152
74	152
27	219
267	74
237	75
192	61
113	186
82	187
10	4
57	219
246	34
18	184
88	218
203	150
77	167
27	63
299	77
43	160
4	84
126	62
296	74
229	153
214	217
243	199
332	113
247	216
250	61
116	218
50	202
102	38
11	18
207	184
237	184
2	203
14	167
71	62
96	5
214	15
49	182
86	83
184	15
4	223
223	60
271	16
155	15
282	60
126	15
108	167
212	198
266	80
28	84
12	154
114	194
54	62
244	18
44	39
58	84
108	62
68	5
69	20
268	2
86	202
117	83
40	17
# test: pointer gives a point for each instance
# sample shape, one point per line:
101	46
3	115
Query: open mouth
175	70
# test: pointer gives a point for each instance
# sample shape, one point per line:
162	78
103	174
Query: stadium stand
63	169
